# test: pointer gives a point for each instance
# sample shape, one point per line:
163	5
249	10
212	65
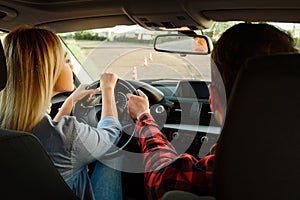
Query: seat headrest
3	69
258	151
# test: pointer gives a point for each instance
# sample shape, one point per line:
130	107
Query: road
121	59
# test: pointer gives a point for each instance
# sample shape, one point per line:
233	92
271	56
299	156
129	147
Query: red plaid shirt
165	169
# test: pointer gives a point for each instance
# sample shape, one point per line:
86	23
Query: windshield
128	52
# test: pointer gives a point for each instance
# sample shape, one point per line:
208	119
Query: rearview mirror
183	44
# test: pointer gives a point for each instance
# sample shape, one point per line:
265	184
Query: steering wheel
90	113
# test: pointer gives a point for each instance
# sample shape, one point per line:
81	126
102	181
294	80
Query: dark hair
243	41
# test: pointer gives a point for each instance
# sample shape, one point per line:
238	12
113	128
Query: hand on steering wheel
89	112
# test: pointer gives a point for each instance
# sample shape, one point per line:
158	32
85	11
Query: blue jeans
104	183
107	182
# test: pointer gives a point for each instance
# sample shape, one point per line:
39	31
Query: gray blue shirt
73	145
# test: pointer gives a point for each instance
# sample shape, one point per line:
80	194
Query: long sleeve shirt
165	169
73	145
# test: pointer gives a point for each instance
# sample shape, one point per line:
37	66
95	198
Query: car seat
258	152
182	195
26	170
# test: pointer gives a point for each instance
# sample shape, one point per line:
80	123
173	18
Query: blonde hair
34	61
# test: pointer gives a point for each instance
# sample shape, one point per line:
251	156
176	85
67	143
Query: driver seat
26	170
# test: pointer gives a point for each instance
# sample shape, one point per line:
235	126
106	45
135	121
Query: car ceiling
73	15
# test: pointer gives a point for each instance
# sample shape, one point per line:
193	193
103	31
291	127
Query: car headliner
73	15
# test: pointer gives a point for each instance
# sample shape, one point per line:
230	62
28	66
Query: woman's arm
107	84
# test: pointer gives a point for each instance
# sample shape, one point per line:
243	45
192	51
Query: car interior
259	152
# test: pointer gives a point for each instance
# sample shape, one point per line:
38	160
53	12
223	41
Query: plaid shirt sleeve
165	170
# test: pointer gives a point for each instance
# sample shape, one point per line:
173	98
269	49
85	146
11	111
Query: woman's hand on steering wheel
108	81
89	112
79	94
82	92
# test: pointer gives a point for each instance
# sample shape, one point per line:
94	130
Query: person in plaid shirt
165	170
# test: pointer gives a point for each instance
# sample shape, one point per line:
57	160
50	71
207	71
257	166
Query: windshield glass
128	52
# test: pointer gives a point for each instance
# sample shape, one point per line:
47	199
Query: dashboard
180	108
184	114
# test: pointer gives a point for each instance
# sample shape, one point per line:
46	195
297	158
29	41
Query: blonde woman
37	70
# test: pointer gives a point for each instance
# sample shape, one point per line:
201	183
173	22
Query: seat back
182	195
258	152
26	170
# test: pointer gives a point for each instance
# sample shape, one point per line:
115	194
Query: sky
119	29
